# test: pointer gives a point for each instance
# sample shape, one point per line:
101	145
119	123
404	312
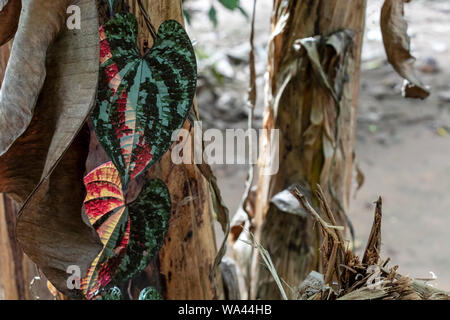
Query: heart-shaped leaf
149	216
131	234
142	100
107	212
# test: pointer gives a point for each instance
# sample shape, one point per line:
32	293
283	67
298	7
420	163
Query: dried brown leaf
50	227
373	248
397	45
63	105
360	178
9	19
40	22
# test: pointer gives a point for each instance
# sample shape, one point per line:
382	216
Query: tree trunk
15	273
312	95
183	268
16	270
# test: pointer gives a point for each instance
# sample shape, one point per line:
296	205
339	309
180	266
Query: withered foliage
346	276
394	29
48	91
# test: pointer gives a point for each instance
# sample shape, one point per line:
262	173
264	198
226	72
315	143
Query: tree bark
15	268
183	268
187	257
313	102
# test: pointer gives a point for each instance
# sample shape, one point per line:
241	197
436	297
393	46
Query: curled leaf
394	29
108	214
64	103
9	19
50	228
40	22
142	100
33	171
314	48
131	233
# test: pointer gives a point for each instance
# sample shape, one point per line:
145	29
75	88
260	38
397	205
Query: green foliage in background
212	12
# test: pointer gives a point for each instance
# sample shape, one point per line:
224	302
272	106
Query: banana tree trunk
312	95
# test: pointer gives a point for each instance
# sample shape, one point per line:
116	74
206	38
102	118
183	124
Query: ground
403	146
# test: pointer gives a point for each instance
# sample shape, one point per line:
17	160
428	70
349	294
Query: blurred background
403	145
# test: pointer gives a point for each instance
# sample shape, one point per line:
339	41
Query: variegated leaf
142	100
131	233
149	216
107	212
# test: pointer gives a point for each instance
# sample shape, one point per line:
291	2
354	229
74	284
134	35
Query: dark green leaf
230	4
187	15
213	15
113	293
149	294
149	216
244	13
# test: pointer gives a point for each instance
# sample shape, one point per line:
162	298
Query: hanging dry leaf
50	227
360	178
397	45
40	22
9	19
64	102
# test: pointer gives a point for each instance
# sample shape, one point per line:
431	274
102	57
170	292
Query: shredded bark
372	252
346	277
